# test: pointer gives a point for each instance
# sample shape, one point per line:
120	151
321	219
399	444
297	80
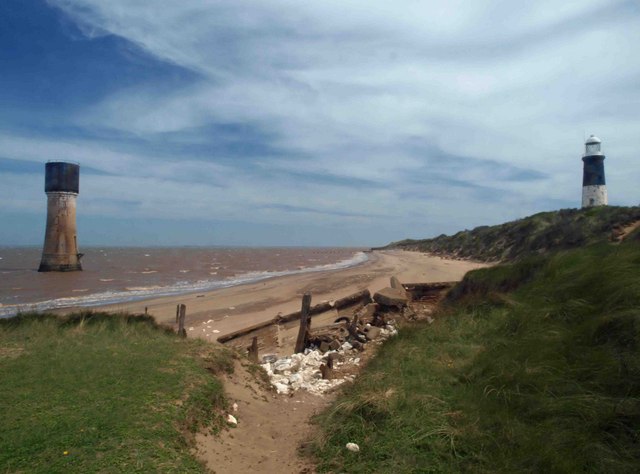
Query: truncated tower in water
594	190
60	252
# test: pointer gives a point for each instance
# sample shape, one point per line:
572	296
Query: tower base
60	263
594	195
45	267
60	252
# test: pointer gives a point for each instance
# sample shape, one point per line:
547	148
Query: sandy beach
215	313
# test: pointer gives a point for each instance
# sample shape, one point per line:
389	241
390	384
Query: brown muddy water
114	275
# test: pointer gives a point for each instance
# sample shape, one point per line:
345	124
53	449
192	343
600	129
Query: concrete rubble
303	371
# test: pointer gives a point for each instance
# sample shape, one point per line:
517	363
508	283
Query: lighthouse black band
593	170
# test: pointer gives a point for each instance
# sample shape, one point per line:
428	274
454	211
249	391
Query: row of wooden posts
301	341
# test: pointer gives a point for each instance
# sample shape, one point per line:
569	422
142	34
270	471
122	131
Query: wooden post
301	342
146	310
253	350
177	313
182	310
353	327
326	371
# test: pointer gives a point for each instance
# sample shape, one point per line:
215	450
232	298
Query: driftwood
317	309
245	331
332	331
361	297
427	291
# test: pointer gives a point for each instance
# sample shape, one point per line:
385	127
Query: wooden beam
363	296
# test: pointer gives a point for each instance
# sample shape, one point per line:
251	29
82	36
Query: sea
117	275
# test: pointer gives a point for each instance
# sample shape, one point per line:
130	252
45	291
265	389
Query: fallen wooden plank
350	300
363	296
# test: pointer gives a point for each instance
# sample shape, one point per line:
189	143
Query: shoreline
221	311
215	313
109	298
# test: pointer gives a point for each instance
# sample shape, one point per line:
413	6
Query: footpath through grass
103	393
531	367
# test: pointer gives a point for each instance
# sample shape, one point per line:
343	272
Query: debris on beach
327	355
313	370
232	420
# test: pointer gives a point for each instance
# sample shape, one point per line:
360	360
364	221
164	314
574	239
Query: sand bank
215	313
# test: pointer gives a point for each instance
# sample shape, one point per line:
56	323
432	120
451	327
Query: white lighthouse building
594	189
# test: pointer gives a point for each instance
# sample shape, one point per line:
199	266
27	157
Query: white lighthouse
594	189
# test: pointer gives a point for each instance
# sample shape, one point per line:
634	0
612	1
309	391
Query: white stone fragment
235	407
232	420
353	447
302	371
281	388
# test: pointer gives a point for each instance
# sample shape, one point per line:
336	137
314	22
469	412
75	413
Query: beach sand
219	312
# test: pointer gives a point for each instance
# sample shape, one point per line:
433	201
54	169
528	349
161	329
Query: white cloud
343	89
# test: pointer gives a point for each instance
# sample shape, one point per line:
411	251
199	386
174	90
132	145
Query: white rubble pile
302	371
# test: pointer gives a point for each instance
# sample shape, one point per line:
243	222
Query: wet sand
215	313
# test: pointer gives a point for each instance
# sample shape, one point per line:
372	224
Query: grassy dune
103	393
529	367
540	233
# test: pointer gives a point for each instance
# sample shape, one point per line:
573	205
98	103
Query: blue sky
202	122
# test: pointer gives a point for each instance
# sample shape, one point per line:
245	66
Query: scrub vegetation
540	233
96	392
532	366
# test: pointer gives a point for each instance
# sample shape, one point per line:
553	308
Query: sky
272	122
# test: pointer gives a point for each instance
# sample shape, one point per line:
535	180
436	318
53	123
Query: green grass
530	367
115	393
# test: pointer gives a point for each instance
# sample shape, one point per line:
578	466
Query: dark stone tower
62	185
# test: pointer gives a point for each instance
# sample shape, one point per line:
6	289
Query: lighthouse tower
594	190
60	252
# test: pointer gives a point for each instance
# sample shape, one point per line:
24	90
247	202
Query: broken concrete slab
391	297
397	285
